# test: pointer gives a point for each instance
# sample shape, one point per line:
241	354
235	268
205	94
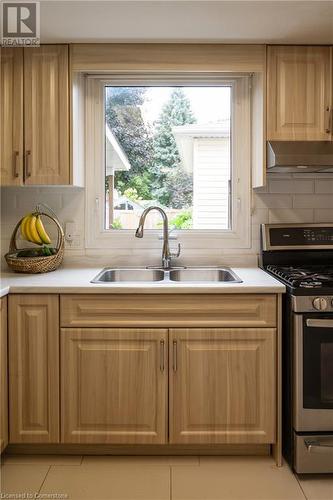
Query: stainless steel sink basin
184	275
128	275
204	275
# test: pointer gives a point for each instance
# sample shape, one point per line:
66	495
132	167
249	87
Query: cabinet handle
174	357
15	164
27	164
328	112
320	323
162	355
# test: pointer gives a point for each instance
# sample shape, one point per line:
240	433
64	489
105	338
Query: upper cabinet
46	115
11	117
299	93
35	137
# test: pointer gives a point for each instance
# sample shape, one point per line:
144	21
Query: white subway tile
323	215
255	232
260	216
279	175
290	215
273	201
312	201
263	189
313	175
8	199
324	186
291	186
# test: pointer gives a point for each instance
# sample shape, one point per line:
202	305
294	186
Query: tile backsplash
285	199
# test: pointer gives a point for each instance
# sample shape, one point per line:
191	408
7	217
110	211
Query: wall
297	198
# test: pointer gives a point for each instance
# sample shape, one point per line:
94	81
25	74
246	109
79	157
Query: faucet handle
176	254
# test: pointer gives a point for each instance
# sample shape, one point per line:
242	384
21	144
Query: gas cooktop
301	256
308	277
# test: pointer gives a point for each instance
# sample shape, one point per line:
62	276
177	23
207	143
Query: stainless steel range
301	256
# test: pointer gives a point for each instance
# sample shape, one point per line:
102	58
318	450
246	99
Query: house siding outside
211	176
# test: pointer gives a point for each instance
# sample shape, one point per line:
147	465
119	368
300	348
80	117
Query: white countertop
77	280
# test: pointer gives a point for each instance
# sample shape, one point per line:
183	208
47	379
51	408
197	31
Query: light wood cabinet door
34	368
3	375
11	117
299	93
114	385
222	386
46	115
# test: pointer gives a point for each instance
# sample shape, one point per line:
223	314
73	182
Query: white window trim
237	238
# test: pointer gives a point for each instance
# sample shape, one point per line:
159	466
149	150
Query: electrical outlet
75	242
70	230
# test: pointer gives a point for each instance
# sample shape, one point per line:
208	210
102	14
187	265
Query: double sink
183	275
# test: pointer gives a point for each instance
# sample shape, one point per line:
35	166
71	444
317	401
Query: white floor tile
317	487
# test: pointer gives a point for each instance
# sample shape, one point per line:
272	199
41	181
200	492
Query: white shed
205	151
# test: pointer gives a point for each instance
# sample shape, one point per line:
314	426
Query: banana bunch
32	229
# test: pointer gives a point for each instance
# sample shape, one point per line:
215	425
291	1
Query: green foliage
139	183
116	224
156	172
177	111
132	194
123	115
173	186
182	220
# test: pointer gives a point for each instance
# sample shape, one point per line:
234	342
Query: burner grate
309	277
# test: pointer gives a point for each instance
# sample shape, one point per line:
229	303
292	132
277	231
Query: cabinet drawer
169	311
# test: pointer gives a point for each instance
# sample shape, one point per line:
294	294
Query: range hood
300	156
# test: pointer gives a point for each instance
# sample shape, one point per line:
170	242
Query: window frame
239	236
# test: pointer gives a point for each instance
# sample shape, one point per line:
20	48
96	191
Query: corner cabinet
35	93
33	322
3	375
222	386
299	93
114	385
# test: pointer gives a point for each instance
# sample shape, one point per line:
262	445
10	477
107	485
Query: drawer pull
317	446
320	323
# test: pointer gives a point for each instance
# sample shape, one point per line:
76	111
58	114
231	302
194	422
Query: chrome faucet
166	254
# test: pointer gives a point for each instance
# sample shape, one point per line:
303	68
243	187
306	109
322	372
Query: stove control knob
320	303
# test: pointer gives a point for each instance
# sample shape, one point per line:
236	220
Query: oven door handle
317	446
320	323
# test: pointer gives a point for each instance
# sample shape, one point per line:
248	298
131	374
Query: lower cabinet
222	386
114	385
142	385
3	375
34	368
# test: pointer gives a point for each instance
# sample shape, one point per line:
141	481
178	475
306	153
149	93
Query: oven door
313	372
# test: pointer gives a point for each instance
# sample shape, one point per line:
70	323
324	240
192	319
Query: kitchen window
180	143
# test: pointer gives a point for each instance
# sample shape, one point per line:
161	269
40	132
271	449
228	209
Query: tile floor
156	478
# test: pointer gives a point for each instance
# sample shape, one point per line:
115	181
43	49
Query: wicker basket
34	265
